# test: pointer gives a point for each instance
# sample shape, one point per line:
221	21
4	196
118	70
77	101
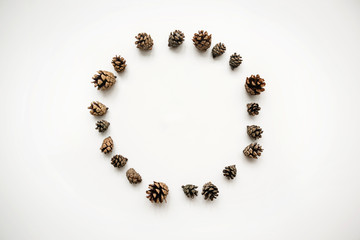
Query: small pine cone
104	80
253	150
235	61
157	192
107	145
254	131
230	172
176	38
253	108
119	63
102	125
118	161
202	40
255	84
133	176
144	41
97	108
190	190
210	191
218	50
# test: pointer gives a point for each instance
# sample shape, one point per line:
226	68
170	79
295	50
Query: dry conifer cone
254	131
144	41
176	38
157	192
218	50
119	161
133	176
97	108
119	63
102	125
253	109
235	61
255	84
230	172
107	145
104	80
210	191
202	40
253	150
190	190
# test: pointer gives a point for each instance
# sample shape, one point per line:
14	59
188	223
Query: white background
180	117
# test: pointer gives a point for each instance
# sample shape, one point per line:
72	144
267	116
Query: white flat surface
180	117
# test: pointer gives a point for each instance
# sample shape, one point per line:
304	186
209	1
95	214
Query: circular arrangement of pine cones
158	191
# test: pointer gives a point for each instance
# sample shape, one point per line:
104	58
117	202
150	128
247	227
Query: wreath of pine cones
158	191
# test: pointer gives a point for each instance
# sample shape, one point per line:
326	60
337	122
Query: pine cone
230	172
102	125
253	108
255	84
254	131
157	192
235	61
97	108
119	63
133	176
253	150
210	191
190	190
202	40
118	161
107	145
104	80
144	41
176	38
218	50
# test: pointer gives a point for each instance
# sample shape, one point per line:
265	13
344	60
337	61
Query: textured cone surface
102	125
235	60
254	131
210	191
107	145
253	150
133	176
218	50
144	41
157	192
230	172
104	80
97	108
190	190
176	38
202	40
119	63
253	109
255	84
118	161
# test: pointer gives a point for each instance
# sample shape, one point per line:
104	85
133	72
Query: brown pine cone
235	61
253	108
210	191
144	41
97	108
218	50
102	125
118	161
255	84
157	192
133	176
104	80
119	63
176	38
107	145
254	131
202	40
190	190
230	172
253	150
